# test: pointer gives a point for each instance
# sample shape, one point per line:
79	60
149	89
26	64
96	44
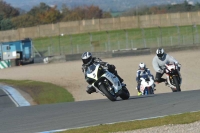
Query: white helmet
86	58
160	53
142	66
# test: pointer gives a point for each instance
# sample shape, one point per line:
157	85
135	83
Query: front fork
170	78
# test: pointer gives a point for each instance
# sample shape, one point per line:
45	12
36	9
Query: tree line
13	18
169	8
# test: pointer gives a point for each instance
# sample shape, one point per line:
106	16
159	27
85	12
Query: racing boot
90	89
139	92
154	87
166	83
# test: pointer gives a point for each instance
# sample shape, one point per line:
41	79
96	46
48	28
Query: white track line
60	130
15	96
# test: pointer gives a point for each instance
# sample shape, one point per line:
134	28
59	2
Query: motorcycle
173	77
105	82
147	85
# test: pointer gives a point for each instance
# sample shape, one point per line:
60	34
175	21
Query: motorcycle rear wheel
107	93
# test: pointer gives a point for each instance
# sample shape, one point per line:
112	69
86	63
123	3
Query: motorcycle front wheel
124	94
110	96
176	83
148	91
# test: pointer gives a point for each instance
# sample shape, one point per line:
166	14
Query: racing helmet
142	66
86	58
160	53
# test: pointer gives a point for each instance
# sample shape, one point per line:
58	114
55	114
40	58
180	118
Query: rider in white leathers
88	59
159	62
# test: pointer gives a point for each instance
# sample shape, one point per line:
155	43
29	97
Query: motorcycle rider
159	62
140	73
88	59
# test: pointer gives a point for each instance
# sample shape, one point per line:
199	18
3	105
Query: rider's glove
111	67
161	71
179	65
138	81
176	63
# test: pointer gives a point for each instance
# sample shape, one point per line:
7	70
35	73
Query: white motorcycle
105	82
173	77
147	85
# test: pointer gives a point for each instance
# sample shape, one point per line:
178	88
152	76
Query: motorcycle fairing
92	75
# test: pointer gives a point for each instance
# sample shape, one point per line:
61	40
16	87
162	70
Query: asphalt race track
5	101
49	117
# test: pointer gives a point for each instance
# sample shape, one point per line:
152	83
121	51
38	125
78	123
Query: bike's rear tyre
176	84
124	94
107	93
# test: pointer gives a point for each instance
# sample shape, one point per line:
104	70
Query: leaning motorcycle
173	77
147	85
105	82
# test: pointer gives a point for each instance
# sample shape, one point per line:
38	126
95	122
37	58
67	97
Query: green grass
41	92
139	124
118	39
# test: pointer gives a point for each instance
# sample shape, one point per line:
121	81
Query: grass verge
41	92
184	118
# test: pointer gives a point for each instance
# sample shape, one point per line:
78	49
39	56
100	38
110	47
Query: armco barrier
131	52
176	48
119	53
134	52
101	55
72	57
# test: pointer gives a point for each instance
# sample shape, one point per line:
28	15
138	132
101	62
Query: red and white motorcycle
173	77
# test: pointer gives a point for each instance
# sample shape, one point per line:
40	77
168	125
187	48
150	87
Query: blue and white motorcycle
105	82
147	85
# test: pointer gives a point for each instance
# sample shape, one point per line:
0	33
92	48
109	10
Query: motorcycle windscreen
90	69
146	77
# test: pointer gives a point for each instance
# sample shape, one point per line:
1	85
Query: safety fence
119	40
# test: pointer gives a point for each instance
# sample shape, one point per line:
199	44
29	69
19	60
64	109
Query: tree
45	14
65	10
73	16
197	6
157	10
39	9
93	12
6	24
24	21
107	15
8	11
187	6
80	13
49	16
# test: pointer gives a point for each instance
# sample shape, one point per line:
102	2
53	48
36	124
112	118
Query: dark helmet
142	66
160	53
86	58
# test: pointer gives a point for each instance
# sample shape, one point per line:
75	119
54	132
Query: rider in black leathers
88	59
